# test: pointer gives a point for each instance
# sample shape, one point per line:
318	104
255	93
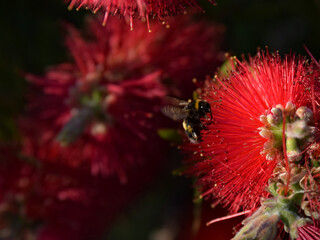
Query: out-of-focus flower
123	53
36	196
181	60
46	201
109	132
105	107
14	185
143	10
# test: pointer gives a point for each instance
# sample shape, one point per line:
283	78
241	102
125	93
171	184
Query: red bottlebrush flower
132	9
309	232
111	135
171	50
234	161
53	202
33	194
106	106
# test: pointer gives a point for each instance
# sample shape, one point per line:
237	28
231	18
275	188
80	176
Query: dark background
31	40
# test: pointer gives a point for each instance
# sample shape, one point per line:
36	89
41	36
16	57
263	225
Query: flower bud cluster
264	222
294	186
297	129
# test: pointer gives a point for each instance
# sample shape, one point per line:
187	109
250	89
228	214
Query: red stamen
131	23
71	5
313	101
228	217
105	18
148	23
206	193
312	57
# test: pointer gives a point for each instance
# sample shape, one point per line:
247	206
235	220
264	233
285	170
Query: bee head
204	107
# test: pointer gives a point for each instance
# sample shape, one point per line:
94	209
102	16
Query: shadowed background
32	40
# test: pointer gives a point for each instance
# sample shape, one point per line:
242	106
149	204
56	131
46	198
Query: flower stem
285	152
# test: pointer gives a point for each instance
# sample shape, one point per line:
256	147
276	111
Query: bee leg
194	135
194	138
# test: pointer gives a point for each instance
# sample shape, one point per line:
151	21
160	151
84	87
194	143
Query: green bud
279	106
292	221
264	120
265	133
275	117
305	114
299	129
293	150
290	108
263	227
273	189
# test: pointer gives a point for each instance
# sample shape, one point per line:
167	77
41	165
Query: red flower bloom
140	9
231	161
54	202
105	106
309	232
32	193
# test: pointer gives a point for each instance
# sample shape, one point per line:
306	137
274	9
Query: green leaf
226	67
170	134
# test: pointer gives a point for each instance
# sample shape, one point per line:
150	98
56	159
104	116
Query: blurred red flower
143	10
104	109
231	160
53	202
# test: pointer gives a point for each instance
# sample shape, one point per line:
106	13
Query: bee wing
174	113
176	102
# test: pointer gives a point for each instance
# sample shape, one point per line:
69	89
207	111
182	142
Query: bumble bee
191	113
